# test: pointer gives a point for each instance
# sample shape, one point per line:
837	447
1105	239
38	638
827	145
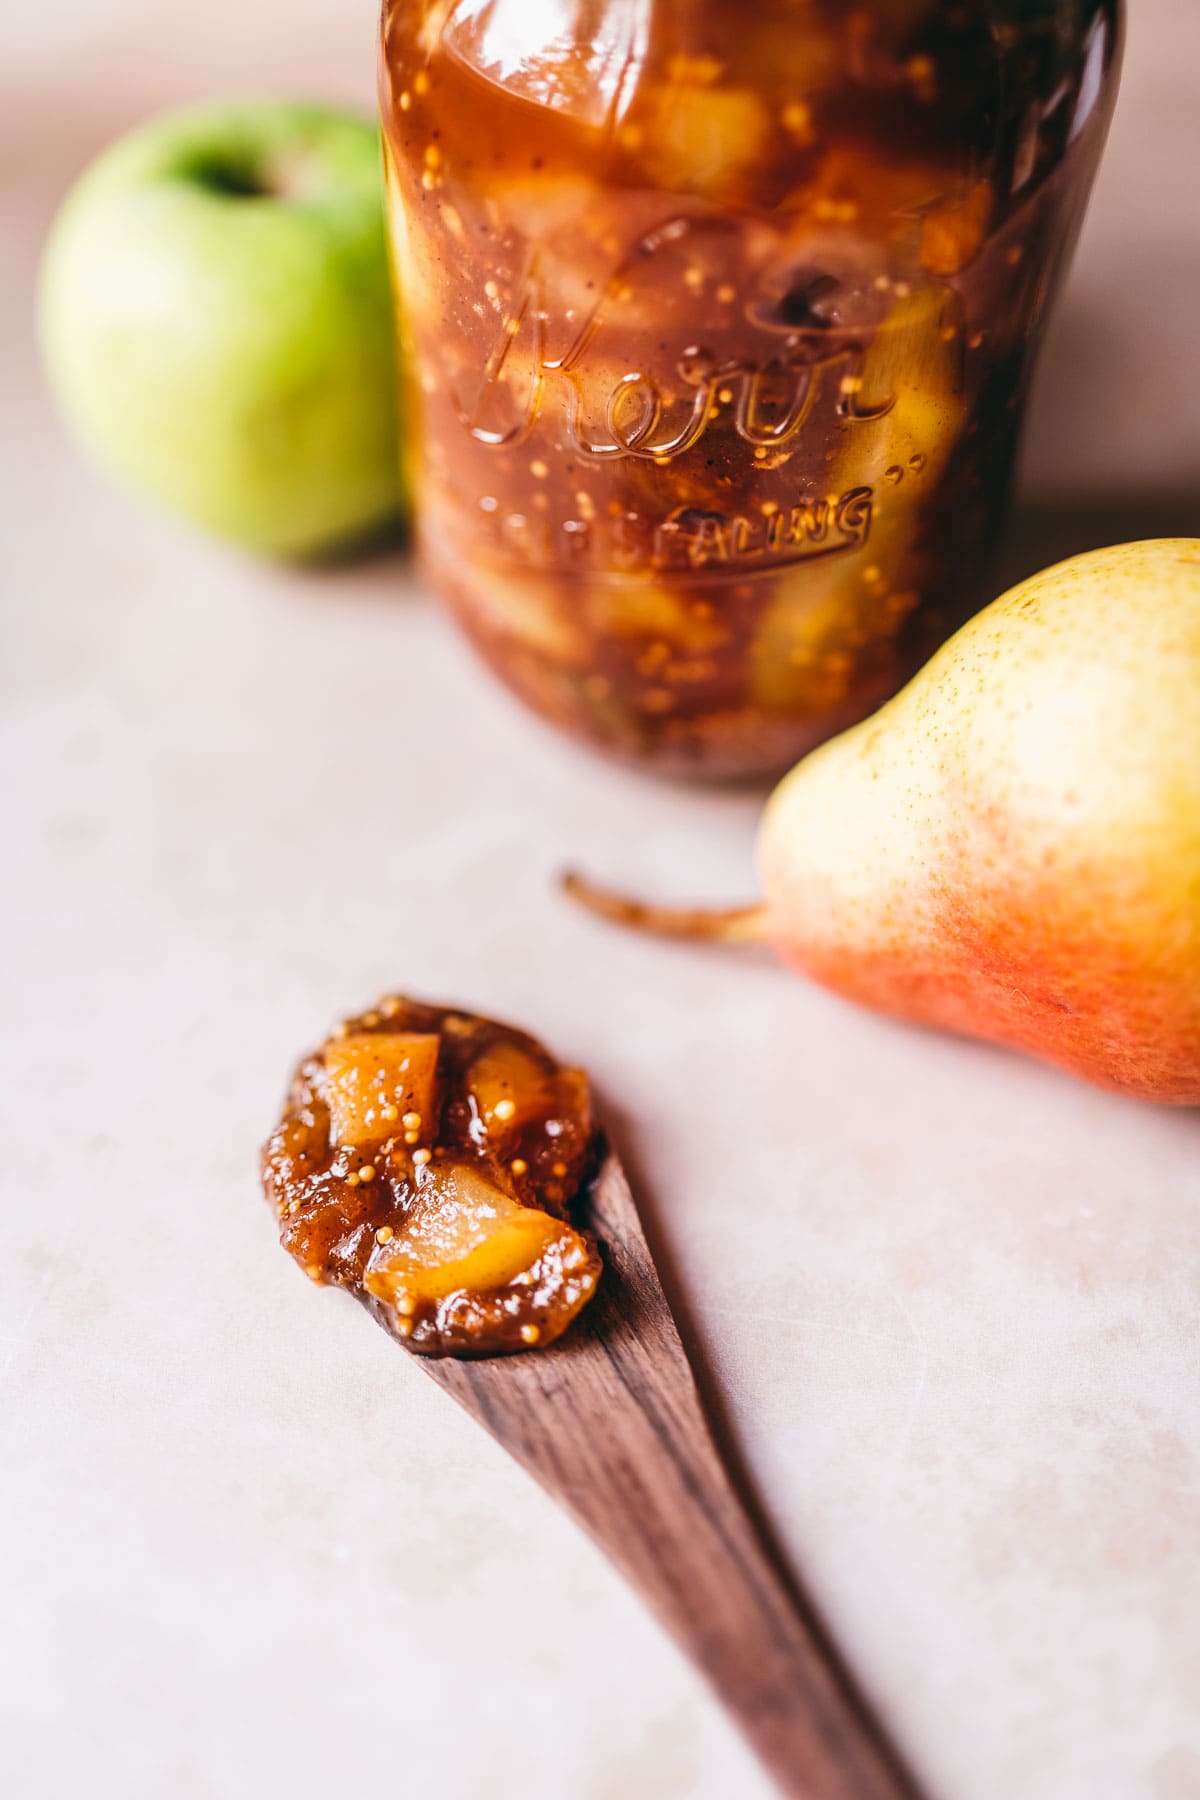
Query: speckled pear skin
1011	847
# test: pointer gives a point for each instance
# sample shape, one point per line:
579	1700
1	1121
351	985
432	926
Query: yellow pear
1011	847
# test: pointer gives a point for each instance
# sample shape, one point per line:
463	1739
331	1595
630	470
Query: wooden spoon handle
610	1422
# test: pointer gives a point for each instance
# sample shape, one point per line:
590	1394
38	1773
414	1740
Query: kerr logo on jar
765	392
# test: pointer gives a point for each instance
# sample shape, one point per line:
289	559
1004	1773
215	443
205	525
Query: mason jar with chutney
718	323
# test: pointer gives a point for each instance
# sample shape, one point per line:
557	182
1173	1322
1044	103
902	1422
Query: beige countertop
246	1549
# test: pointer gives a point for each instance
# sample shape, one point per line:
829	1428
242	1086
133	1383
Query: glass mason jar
719	324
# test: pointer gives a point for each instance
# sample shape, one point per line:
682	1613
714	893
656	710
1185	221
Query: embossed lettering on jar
719	323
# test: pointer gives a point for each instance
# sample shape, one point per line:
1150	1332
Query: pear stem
697	924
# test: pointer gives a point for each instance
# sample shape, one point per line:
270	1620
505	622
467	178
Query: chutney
426	1160
718	321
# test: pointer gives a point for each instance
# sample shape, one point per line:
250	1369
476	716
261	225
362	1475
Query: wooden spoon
610	1422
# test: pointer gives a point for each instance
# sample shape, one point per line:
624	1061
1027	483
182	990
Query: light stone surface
246	1549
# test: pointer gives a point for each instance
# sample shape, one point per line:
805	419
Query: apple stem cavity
282	178
232	179
695	924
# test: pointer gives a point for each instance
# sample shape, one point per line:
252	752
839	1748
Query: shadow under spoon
609	1421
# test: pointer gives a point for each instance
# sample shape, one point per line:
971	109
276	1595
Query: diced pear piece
573	1097
953	232
377	1079
703	140
530	609
827	621
462	1234
799	660
915	360
510	1088
894	22
637	608
542	207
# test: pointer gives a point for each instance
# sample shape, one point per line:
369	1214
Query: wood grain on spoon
610	1422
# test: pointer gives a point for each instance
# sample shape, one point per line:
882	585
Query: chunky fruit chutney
719	321
426	1160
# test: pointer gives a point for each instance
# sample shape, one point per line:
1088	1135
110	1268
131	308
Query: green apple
216	322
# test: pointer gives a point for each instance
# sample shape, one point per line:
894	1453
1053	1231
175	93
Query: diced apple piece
378	1082
461	1235
510	1088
